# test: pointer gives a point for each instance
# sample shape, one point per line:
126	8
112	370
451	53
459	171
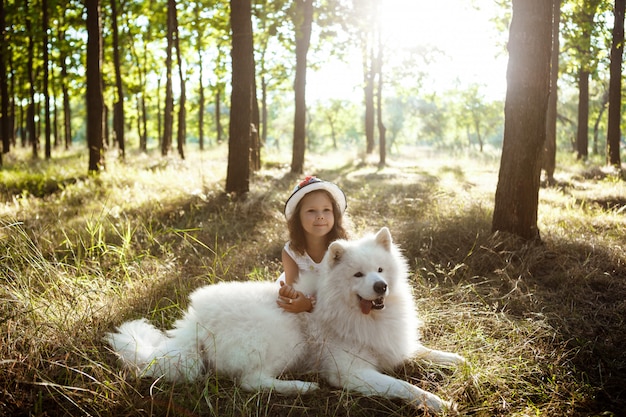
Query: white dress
304	262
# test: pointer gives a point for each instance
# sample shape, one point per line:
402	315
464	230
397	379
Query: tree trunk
615	87
596	125
582	134
182	111
303	24
528	79
370	74
255	149
4	87
46	71
67	112
255	141
263	120
238	171
140	104
218	114
55	116
31	127
118	106
201	98
106	131
95	100
168	116
549	154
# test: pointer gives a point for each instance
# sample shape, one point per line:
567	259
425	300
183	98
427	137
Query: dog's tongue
366	306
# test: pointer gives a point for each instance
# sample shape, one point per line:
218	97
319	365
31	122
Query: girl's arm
288	298
290	267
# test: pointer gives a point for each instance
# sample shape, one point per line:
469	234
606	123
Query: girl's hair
296	231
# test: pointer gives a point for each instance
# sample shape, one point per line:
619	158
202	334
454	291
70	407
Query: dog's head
364	271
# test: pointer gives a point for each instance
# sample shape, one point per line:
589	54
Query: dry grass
541	325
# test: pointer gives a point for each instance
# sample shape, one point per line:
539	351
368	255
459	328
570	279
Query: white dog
364	323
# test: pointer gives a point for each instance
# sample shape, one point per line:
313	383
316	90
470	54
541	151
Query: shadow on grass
578	289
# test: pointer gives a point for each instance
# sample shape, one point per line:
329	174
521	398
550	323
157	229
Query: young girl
314	213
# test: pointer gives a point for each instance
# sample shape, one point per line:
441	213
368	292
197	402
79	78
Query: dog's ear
383	238
335	253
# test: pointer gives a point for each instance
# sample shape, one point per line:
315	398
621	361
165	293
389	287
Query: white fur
236	329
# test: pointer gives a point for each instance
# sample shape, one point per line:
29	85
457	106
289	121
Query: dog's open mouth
369	305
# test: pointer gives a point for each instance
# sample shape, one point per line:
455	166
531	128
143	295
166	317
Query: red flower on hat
308	180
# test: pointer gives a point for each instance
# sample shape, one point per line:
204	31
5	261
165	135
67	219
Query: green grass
542	326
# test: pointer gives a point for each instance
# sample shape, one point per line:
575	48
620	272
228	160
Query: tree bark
67	111
263	120
31	127
370	114
238	171
118	106
95	100
582	133
46	89
303	24
549	155
4	87
168	116
615	87
596	125
182	111
586	23
201	97
528	77
218	114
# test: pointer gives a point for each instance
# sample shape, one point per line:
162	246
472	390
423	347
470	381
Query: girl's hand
291	300
287	291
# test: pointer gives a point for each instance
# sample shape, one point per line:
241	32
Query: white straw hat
308	185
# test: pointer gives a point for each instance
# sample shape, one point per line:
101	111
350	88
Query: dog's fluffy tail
150	352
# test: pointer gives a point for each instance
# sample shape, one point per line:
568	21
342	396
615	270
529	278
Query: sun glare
470	45
469	48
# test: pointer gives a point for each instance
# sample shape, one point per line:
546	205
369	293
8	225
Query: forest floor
541	324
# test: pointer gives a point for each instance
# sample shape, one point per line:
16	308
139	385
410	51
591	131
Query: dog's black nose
380	287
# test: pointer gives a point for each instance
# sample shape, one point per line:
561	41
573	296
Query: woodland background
148	147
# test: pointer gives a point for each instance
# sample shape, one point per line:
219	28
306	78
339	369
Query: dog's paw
307	387
434	404
448	358
458	359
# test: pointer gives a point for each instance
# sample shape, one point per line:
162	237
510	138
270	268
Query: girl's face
316	214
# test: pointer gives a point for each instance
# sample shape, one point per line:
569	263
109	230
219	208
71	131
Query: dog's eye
380	270
359	274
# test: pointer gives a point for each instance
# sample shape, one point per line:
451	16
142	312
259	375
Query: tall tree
4	86
369	70
303	22
168	116
272	20
549	155
586	18
615	86
46	71
95	99
118	105
67	112
528	79
199	27
31	127
241	118
181	133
